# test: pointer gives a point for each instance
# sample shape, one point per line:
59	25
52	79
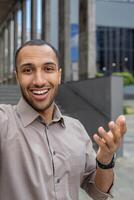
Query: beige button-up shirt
39	162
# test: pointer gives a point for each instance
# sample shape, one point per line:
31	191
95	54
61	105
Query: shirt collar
58	117
28	114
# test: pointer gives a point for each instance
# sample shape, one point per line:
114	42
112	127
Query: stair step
9	94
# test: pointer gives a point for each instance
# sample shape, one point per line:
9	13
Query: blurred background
96	41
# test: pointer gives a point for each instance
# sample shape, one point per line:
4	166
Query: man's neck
47	115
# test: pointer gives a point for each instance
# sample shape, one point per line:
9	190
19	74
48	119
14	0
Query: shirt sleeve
3	123
88	183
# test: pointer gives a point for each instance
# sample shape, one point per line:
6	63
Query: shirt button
58	180
54	152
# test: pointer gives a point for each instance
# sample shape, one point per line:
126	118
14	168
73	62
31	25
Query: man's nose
39	79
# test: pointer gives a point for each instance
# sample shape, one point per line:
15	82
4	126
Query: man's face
38	76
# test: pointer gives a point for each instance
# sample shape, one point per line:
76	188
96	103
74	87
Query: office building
115	35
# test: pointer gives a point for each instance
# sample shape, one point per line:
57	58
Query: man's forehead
37	51
38	54
44	47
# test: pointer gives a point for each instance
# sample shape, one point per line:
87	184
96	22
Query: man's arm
108	143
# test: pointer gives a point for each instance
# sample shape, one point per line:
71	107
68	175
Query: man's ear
16	75
60	74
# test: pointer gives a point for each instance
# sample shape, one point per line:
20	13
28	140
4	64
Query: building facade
50	20
91	35
115	35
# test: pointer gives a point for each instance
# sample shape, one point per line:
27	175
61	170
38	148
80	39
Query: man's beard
33	105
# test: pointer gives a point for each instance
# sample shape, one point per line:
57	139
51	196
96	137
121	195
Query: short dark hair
37	42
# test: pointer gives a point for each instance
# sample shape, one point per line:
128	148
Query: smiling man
39	75
45	155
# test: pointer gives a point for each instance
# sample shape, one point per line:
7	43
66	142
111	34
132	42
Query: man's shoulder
7	119
6	109
76	125
7	113
72	121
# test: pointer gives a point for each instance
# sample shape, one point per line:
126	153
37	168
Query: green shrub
98	75
128	110
128	78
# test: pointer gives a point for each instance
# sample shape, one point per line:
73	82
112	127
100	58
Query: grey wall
116	97
94	102
115	14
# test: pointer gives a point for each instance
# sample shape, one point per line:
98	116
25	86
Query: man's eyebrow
31	64
26	64
49	63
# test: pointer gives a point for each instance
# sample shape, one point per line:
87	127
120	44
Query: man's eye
27	70
49	69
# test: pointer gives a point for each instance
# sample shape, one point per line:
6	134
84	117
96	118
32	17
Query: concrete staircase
9	94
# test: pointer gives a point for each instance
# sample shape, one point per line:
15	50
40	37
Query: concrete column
1	57
46	19
83	39
10	48
15	38
87	39
64	38
2	54
24	36
33	19
92	38
15	32
6	53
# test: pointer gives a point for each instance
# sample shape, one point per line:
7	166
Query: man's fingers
115	131
110	141
106	137
101	142
118	128
104	140
121	122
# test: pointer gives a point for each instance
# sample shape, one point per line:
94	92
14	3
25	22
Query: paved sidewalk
124	187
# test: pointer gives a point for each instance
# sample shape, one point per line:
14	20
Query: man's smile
40	94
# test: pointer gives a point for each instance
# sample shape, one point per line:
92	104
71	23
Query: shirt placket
56	179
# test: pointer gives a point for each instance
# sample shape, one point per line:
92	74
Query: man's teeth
40	92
